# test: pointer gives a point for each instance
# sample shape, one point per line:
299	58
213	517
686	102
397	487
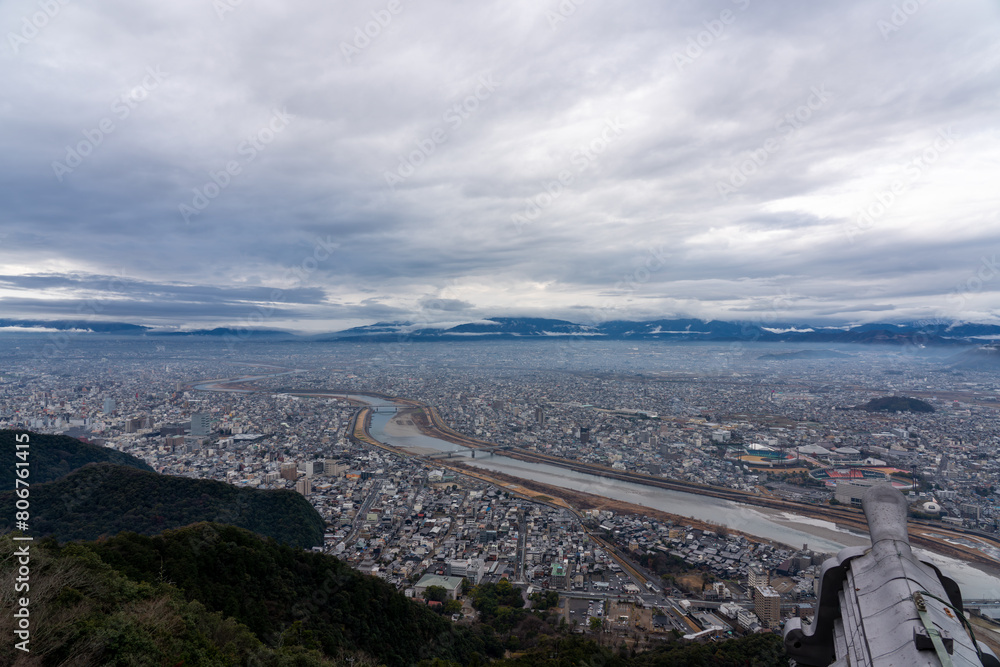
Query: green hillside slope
52	456
102	499
280	592
210	594
83	612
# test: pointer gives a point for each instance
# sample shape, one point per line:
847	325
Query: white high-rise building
201	423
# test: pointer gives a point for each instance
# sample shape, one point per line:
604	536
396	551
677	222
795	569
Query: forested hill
293	596
102	499
52	456
896	404
210	594
83	612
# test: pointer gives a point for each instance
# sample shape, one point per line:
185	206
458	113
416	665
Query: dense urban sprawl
201	409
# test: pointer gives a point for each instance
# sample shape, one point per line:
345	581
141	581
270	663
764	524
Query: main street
362	514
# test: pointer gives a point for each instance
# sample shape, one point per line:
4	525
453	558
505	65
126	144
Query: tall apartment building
201	423
767	605
289	471
757	576
334	467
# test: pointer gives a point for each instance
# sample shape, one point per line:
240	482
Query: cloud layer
334	164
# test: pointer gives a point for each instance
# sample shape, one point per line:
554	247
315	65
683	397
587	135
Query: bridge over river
469	452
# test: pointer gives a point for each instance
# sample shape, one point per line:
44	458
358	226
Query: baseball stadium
762	456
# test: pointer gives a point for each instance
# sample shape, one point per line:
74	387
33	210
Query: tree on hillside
436	593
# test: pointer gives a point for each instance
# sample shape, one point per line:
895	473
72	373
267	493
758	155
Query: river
783	527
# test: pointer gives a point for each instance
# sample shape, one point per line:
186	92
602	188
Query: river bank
417	429
830	528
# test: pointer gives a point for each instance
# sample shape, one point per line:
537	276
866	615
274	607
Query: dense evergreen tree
85	613
53	456
105	499
211	594
896	404
286	595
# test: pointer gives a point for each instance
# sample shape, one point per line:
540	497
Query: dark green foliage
896	404
85	613
52	456
568	652
502	593
500	604
436	593
661	563
544	599
105	499
214	595
287	596
763	650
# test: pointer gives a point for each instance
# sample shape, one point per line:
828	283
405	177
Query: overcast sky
315	165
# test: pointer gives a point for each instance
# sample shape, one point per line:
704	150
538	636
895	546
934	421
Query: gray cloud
607	132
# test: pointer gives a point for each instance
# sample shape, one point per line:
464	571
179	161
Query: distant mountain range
75	325
984	357
906	333
516	328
